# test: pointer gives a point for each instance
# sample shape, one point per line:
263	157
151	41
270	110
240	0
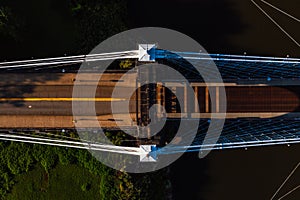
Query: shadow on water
189	176
227	26
224	26
209	22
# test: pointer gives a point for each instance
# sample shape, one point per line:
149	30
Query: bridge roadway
40	100
43	100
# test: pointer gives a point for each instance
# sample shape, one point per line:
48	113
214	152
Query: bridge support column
206	99
217	99
185	108
138	102
212	99
159	97
196	107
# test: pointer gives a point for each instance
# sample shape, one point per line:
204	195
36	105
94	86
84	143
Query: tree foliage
18	158
10	24
98	20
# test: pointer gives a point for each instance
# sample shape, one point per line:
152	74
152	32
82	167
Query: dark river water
230	26
220	26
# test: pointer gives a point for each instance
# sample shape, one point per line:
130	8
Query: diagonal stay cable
46	135
294	189
265	13
283	12
73	144
287	178
69	59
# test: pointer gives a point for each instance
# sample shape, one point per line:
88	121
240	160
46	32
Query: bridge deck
242	101
44	100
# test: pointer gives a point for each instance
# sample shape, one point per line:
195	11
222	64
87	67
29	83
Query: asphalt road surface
45	100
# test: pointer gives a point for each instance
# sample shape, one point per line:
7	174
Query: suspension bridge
262	100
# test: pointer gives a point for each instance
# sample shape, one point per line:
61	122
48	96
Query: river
230	26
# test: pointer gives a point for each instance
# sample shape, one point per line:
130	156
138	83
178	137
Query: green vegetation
9	24
98	20
127	64
63	182
41	172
